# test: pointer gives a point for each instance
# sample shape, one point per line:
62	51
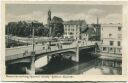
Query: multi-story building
111	38
79	29
72	28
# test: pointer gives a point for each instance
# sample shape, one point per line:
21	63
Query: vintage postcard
50	40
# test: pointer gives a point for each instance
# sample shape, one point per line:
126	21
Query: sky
27	12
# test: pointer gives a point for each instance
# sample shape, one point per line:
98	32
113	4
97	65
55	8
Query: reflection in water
56	64
18	68
61	65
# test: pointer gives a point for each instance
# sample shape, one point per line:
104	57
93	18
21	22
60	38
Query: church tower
49	17
97	20
49	22
98	30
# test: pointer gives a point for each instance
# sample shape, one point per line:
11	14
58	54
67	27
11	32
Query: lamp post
33	41
77	48
32	70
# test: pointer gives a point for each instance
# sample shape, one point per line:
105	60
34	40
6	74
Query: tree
57	27
24	29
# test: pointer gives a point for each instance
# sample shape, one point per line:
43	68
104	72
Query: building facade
72	28
111	37
79	29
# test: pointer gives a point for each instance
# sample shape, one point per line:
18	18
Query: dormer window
110	35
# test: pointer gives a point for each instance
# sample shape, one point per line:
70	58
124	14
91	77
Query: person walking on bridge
48	48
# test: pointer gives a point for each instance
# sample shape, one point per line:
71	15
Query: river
60	65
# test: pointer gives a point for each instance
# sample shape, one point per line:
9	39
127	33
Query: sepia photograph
63	39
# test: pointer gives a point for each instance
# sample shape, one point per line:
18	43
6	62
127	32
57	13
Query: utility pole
33	42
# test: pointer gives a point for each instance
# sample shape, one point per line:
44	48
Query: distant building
97	28
94	32
72	28
111	37
79	29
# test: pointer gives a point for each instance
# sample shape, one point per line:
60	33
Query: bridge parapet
25	51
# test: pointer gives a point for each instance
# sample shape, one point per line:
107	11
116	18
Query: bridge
25	53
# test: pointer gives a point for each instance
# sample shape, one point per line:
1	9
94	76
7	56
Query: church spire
49	16
97	20
49	21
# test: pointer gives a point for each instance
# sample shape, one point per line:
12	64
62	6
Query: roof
75	22
111	25
91	31
56	19
88	30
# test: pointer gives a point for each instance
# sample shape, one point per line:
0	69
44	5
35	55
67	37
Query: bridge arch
21	60
50	54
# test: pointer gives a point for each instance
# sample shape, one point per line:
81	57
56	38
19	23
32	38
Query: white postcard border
54	77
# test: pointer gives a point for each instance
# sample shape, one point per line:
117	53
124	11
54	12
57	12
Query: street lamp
77	48
33	41
32	70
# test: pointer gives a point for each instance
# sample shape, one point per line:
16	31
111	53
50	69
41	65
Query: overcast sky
106	13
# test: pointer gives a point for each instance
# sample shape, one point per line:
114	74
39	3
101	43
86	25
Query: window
111	43
102	41
119	28
71	33
104	48
118	43
111	49
110	35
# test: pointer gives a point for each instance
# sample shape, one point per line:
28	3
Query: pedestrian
58	45
61	46
46	47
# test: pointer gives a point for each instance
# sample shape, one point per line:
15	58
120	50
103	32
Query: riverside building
110	47
111	38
